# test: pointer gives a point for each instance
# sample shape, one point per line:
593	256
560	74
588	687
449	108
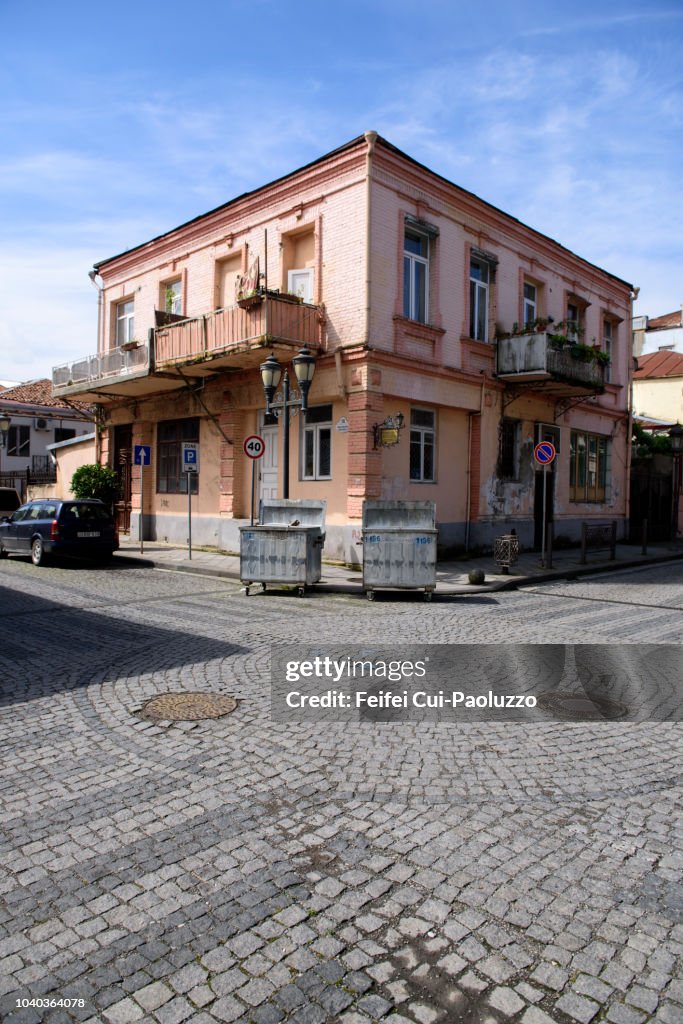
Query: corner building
416	297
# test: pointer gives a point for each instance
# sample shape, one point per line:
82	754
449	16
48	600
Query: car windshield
87	513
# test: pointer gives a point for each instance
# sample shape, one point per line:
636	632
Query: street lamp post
5	421
281	404
676	439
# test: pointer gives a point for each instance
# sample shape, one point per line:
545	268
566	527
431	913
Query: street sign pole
253	447
544	453
544	524
142	503
189	515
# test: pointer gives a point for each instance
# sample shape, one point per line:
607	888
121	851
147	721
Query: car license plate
91	534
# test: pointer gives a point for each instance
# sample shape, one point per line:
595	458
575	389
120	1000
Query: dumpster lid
292	512
395	515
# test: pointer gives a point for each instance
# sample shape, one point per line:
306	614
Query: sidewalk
451	576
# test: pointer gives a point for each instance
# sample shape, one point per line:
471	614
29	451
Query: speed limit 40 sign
254	447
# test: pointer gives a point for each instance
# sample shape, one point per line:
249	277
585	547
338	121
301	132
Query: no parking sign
545	453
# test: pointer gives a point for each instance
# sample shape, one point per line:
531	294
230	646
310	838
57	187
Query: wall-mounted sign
342	425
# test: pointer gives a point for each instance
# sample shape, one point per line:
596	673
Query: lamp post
280	404
676	439
5	421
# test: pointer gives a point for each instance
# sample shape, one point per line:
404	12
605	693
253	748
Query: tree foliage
94	481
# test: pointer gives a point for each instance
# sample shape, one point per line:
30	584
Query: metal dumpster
286	547
399	546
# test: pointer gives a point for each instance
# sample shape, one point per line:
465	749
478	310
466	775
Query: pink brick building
417	298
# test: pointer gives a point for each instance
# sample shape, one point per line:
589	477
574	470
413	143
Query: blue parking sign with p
142	455
190	457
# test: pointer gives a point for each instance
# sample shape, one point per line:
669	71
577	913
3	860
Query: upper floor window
300	283
530	305
416	276
480	279
64	434
422	445
576	317
173	297
125	322
316	452
608	344
19	441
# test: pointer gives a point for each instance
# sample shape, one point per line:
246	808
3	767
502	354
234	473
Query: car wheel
38	551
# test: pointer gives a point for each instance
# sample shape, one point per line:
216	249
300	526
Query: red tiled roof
39	392
659	364
658	323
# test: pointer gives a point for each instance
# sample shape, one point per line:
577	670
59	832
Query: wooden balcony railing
234	328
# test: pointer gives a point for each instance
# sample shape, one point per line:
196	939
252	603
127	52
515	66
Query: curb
442	590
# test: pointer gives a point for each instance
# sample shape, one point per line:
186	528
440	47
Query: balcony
533	361
234	337
228	339
105	369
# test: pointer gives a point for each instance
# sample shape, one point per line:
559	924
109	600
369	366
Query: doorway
123	464
538	503
268	463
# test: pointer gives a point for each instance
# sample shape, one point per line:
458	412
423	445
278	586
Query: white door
300	282
268	462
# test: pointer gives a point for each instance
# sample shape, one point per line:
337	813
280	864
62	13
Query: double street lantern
280	404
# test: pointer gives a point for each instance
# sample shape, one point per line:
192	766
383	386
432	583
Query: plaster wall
660	398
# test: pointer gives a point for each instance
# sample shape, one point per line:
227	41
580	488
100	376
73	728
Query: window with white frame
608	344
125	321
422	445
316	444
172	292
480	279
530	305
416	276
576	316
19	441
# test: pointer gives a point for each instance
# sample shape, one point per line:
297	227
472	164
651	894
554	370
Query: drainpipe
371	139
468	496
100	303
100	290
629	425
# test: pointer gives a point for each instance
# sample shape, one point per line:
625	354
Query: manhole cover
187	707
581	707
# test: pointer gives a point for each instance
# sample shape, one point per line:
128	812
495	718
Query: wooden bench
599	536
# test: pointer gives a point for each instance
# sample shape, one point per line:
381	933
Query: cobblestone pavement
241	869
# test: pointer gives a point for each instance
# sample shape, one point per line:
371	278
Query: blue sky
120	122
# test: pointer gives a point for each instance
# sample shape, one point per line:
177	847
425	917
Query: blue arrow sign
142	455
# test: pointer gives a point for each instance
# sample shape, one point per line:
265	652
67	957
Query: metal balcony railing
118	362
533	357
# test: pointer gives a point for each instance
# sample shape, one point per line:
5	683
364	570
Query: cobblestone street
241	869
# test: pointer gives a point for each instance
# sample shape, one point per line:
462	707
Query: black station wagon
50	526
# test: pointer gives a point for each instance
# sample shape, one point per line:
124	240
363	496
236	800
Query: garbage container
399	546
286	547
